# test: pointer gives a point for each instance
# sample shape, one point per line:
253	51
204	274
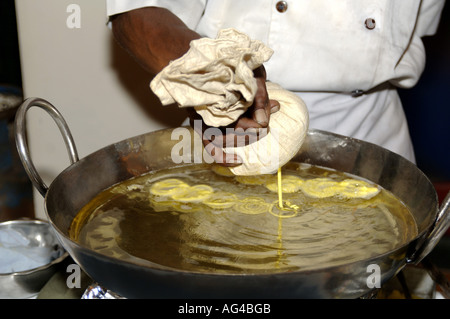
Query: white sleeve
411	65
429	16
189	11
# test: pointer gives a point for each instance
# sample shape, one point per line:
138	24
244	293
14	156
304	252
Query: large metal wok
83	179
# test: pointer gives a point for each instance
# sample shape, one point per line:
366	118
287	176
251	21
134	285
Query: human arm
144	34
155	36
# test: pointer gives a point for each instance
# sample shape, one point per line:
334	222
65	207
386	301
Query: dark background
9	48
427	105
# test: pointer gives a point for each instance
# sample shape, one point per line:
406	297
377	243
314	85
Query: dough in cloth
216	78
286	134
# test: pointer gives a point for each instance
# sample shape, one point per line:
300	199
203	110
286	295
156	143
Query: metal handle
21	140
440	226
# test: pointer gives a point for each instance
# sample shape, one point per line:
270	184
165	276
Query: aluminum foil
95	291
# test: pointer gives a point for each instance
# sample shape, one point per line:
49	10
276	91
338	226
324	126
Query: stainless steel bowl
34	237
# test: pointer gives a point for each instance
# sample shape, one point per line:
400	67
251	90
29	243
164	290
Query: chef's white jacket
343	58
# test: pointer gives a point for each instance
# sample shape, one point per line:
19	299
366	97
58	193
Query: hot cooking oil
202	218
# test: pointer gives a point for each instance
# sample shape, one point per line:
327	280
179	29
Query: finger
239	137
235	137
261	109
247	123
274	106
226	136
216	151
261	104
220	157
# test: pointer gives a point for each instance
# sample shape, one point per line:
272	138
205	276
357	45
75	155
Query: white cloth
215	77
325	46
